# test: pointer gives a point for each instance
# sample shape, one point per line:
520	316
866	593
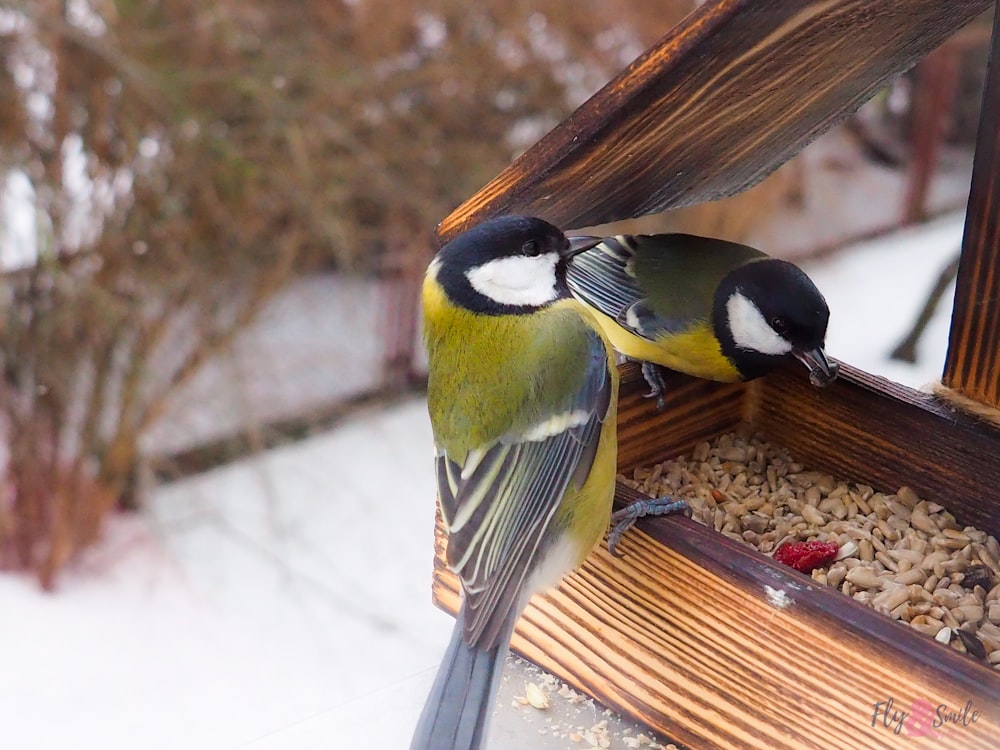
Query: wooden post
933	98
972	366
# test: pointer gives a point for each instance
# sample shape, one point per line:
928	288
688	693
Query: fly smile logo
922	718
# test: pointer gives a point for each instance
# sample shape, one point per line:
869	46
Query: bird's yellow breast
695	351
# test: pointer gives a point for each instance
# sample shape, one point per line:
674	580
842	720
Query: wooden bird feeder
684	632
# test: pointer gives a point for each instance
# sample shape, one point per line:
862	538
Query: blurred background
216	495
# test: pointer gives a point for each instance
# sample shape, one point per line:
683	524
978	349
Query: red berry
807	556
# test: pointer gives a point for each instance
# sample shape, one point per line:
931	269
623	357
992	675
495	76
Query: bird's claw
624	519
654	379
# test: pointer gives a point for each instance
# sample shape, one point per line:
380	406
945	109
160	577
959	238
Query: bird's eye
780	325
531	248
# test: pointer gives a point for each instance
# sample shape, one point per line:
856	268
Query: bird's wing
602	278
499	505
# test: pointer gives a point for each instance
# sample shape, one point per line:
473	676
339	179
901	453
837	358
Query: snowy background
283	601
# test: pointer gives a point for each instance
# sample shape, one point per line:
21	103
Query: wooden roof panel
734	91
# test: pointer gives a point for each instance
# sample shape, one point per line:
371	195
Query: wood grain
694	410
717	104
972	365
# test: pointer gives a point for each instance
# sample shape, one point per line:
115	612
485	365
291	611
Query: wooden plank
683	634
972	365
869	429
694	410
734	91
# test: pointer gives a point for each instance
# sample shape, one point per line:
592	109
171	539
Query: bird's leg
623	520
654	379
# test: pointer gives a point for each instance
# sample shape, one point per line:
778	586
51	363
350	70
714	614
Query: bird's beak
579	244
822	371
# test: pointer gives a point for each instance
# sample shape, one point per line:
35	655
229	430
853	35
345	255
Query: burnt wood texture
717	646
735	90
973	363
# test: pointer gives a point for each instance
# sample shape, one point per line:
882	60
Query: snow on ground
875	290
282	602
248	599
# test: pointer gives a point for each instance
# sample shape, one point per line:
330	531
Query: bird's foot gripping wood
624	519
654	379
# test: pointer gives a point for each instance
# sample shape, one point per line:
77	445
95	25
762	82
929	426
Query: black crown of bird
521	324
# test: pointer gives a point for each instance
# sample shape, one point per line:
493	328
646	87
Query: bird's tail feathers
457	712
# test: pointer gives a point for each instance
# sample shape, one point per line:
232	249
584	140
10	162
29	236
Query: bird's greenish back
681	272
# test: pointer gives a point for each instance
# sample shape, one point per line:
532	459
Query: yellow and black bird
522	395
706	307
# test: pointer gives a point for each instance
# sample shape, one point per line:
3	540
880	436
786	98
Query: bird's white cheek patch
750	330
517	279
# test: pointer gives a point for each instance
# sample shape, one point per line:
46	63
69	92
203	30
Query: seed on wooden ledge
892	598
943	635
934	558
988	559
863	577
733	454
866	551
914	575
812	496
902	612
836	575
537	697
908	557
928	620
888	532
993	614
972	644
946	598
899	510
907	496
879	506
993	545
838	508
886	561
812	515
969	612
958	536
847	550
925	628
922	522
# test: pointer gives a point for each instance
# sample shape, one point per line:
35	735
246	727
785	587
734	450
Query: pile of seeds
905	556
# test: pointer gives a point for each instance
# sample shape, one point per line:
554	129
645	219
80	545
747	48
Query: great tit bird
522	395
706	307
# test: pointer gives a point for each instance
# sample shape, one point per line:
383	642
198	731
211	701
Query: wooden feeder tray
698	636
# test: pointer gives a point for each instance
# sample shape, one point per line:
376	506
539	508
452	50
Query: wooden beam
735	90
972	366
